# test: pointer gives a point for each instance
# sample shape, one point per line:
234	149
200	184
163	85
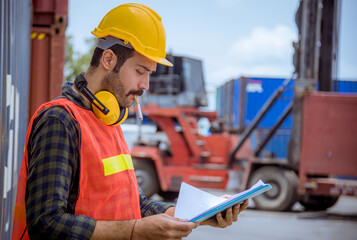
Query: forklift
322	156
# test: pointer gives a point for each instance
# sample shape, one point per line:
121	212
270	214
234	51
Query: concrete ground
337	223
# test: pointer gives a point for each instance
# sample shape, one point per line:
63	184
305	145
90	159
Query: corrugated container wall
277	147
258	91
345	86
218	100
247	96
49	22
244	97
15	20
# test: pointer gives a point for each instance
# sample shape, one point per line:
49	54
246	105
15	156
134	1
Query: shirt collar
71	95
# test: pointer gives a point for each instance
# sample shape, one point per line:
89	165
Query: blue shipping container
226	94
277	147
241	101
218	102
345	86
245	98
258	91
238	110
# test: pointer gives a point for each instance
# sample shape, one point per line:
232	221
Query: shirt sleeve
53	161
150	207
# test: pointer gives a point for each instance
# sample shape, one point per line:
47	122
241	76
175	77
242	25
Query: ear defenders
104	104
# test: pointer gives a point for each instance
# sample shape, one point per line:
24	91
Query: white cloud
265	45
217	77
263	53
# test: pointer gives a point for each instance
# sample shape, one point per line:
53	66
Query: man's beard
113	84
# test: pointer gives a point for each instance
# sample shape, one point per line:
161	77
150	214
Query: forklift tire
283	194
317	203
146	176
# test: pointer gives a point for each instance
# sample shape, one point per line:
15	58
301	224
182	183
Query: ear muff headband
81	83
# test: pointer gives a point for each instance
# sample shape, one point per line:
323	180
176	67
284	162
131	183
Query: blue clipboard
229	203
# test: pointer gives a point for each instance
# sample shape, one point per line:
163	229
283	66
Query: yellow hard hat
138	25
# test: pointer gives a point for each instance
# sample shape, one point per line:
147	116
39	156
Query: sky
233	38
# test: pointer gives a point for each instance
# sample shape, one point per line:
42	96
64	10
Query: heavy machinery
206	161
184	154
322	160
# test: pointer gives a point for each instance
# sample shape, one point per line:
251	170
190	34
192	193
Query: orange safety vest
108	189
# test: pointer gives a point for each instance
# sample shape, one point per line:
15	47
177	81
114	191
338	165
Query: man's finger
187	226
236	211
244	205
229	216
220	219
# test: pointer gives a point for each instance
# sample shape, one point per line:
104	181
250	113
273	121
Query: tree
77	62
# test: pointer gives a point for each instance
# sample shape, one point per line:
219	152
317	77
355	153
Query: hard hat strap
108	41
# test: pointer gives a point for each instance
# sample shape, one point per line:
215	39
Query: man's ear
108	60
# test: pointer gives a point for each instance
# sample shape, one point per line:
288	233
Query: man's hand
162	226
231	215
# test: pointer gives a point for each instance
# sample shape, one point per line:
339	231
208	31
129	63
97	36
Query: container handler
322	155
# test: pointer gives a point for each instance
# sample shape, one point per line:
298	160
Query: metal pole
266	107
306	76
272	131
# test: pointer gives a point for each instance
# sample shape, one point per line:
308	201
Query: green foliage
77	62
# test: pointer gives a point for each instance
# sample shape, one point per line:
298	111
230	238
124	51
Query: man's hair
122	53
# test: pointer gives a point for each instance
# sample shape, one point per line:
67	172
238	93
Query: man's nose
144	84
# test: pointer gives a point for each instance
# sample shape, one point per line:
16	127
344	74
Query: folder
196	205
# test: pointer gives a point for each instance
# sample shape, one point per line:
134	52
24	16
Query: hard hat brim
165	62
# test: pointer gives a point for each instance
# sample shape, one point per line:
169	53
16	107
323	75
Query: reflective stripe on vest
108	189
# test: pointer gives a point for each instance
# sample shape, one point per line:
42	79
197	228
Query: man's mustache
135	92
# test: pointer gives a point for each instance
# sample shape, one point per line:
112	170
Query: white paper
193	201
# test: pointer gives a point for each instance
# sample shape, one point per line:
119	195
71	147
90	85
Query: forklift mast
315	58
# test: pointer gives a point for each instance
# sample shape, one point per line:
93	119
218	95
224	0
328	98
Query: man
77	180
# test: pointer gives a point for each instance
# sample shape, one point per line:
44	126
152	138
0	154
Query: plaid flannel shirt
53	176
